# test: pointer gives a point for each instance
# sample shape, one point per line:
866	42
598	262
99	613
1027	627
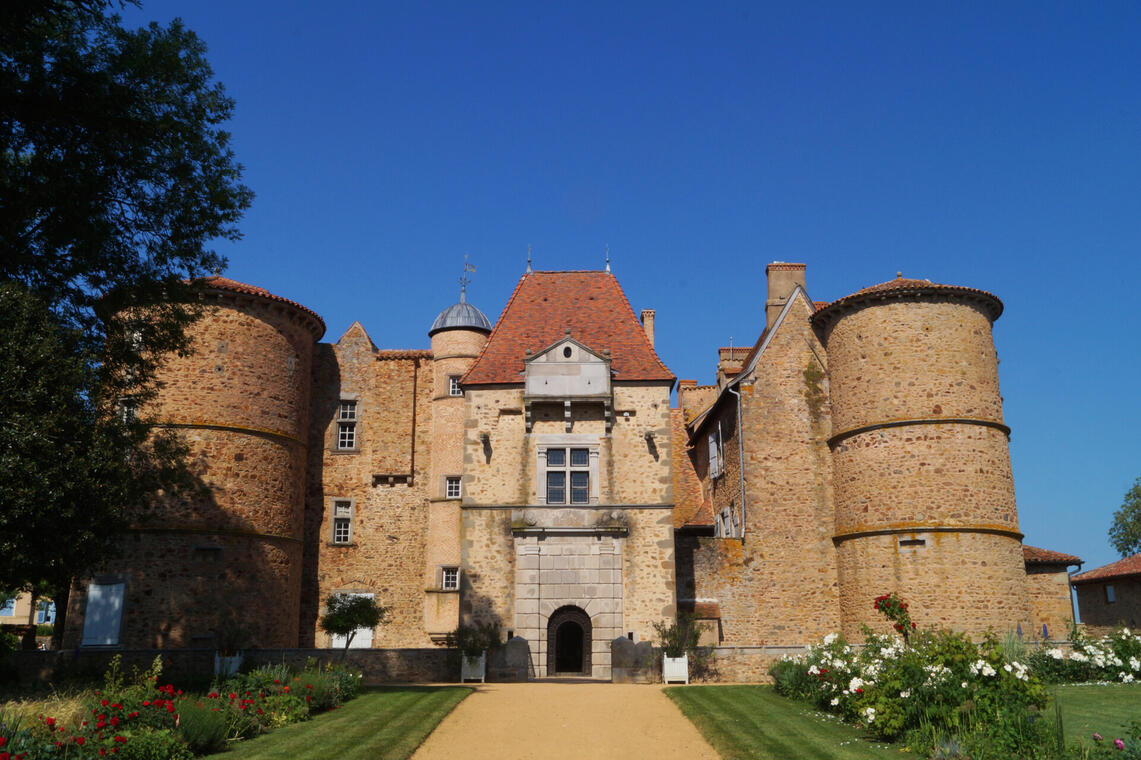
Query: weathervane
607	257
464	279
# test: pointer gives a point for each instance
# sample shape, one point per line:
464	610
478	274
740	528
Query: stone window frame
567	441
348	418
454	388
349	519
449	491
1110	594
449	578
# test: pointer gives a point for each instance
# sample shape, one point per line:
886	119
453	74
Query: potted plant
229	639
473	641
677	640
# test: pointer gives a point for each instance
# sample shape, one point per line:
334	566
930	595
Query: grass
1106	709
753	722
386	723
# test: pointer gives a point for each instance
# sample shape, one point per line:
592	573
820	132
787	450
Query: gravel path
549	720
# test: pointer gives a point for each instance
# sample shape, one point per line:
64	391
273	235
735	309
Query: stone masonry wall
1097	612
385	478
778	585
1048	587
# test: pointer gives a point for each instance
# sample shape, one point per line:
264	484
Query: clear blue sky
995	145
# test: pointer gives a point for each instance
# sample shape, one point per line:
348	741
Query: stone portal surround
584	571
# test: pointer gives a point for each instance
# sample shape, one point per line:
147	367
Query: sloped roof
690	510
217	282
1032	555
902	287
547	304
1118	569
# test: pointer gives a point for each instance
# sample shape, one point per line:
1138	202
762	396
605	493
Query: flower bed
942	695
146	719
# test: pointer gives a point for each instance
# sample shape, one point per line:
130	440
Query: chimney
648	325
783	279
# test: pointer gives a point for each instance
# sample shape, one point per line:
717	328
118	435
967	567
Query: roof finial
899	275
464	279
528	258
607	257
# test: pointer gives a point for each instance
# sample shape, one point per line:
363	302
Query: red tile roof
902	287
1118	569
400	353
547	304
1035	556
690	510
217	282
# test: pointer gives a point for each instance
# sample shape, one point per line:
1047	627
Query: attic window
567	351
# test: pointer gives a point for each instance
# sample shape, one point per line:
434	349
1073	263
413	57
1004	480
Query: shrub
1116	657
680	637
149	744
204	725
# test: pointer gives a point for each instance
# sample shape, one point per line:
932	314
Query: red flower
114	721
5	756
104	702
3	741
49	721
120	739
80	740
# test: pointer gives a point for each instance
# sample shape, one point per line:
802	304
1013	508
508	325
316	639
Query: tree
115	176
1125	533
346	614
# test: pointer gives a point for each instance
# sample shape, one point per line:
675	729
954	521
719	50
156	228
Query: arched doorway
568	642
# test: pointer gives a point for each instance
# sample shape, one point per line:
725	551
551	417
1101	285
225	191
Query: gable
567	368
545	305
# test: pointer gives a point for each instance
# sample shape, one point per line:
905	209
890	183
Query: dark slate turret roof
545	305
460	316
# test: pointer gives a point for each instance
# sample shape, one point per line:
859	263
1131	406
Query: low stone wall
747	664
377	665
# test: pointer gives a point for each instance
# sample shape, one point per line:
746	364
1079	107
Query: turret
923	487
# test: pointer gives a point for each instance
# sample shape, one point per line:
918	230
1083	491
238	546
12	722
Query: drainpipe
740	458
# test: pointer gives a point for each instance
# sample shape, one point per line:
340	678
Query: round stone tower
230	555
921	467
458	335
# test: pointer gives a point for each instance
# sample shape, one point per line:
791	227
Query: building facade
532	473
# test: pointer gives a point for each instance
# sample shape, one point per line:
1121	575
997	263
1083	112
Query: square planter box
675	669
473	668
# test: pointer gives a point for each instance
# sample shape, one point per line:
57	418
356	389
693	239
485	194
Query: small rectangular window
45	613
8	608
580	457
454	388
347	435
450	579
452	488
714	454
556	487
342	522
348	410
556	457
1110	594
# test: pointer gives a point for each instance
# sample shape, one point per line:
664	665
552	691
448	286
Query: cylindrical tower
921	465
458	335
229	556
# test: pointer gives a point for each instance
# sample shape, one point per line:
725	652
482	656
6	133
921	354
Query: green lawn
1106	709
386	723
753	722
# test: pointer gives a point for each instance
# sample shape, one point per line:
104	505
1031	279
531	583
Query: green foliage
1116	657
892	607
114	178
204	726
474	640
154	745
1125	532
679	637
346	613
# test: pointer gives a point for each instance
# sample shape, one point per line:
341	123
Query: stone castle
533	473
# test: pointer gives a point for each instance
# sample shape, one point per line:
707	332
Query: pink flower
1119	744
